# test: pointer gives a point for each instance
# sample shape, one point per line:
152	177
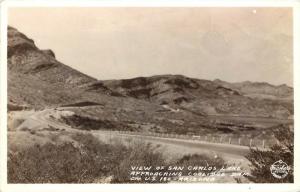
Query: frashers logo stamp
279	169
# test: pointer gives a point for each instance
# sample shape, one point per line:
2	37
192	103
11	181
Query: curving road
233	151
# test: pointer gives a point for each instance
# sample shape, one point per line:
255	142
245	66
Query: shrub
84	160
201	160
64	163
139	154
87	123
261	160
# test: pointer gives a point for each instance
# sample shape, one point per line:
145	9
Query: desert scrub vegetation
138	154
90	123
262	160
53	163
85	159
201	160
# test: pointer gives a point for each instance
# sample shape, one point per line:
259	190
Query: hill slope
164	103
36	78
202	96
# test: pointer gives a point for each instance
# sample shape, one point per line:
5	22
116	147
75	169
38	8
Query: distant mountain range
37	80
260	89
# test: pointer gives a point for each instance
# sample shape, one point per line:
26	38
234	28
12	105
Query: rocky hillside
201	96
37	79
25	58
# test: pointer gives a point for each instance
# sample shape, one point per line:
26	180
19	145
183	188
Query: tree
262	160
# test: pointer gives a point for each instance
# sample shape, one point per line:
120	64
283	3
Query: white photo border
5	187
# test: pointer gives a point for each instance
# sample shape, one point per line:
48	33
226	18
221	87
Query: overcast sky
232	44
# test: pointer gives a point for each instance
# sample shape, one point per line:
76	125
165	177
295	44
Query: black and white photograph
150	95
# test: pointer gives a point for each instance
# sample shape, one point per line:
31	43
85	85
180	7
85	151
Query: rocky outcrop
25	58
49	52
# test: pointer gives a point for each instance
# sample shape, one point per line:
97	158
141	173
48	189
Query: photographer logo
279	169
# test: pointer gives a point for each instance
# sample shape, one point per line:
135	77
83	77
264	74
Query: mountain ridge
37	79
